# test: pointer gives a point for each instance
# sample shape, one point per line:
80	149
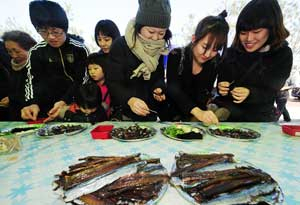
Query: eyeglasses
46	33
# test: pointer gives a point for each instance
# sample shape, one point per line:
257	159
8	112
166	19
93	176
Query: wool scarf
17	66
146	50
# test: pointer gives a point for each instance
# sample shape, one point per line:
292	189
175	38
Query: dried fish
113	180
200	162
231	183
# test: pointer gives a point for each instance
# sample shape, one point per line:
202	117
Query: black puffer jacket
17	93
263	73
54	73
122	62
186	90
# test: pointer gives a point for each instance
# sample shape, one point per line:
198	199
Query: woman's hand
223	88
239	94
159	95
4	102
30	112
54	112
207	117
63	111
138	106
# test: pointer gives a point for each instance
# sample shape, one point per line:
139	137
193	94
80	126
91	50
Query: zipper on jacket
63	64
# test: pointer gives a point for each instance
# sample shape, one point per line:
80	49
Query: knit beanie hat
155	13
45	13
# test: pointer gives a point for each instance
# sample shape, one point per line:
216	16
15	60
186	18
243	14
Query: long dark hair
262	14
107	28
218	29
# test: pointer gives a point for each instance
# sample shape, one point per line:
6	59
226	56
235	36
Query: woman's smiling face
253	40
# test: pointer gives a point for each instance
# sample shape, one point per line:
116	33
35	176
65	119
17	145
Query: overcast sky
86	13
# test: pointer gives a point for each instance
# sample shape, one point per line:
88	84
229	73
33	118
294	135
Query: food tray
52	130
242	134
247	195
183	132
119	133
125	172
21	130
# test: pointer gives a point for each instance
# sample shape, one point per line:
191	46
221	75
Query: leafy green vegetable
173	131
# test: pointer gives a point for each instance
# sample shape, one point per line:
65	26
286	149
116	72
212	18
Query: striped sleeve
29	88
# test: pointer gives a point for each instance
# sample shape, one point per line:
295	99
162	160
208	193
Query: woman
257	64
106	31
192	70
135	75
17	44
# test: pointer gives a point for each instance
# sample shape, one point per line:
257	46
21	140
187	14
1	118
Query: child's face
88	111
96	72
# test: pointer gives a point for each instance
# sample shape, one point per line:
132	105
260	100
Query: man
56	65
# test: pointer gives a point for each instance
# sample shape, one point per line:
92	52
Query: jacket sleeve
33	84
157	77
272	78
116	74
174	88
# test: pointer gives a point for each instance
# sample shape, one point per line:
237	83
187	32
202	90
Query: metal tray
47	131
186	128
276	198
255	135
14	130
151	129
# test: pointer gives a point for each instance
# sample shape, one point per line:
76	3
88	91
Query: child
87	107
96	63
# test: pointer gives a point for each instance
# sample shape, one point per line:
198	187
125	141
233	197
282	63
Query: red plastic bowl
293	130
102	132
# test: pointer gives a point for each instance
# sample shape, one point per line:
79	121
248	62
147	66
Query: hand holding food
240	94
159	95
138	106
223	88
4	102
207	117
30	112
54	112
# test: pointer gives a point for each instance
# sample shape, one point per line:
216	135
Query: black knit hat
47	13
156	13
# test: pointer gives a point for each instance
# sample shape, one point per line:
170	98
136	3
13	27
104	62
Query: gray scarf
145	50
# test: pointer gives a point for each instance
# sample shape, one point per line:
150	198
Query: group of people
129	78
